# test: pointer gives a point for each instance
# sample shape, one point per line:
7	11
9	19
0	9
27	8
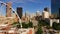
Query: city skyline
29	16
31	6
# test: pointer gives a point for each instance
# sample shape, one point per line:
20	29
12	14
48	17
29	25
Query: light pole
2	3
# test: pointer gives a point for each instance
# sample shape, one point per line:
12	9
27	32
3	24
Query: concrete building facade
8	9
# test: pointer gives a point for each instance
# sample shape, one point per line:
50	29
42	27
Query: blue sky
28	5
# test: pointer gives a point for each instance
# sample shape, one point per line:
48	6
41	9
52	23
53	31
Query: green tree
56	26
43	23
30	24
24	25
39	31
16	24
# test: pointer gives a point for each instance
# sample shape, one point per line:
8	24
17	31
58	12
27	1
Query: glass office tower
55	8
19	11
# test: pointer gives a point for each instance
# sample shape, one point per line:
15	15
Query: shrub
39	31
24	25
56	26
30	24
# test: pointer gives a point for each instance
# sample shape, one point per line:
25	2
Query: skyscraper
19	11
46	13
38	13
8	9
46	9
55	5
59	13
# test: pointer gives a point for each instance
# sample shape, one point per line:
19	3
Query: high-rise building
55	5
26	14
46	9
38	13
19	11
46	13
8	9
59	13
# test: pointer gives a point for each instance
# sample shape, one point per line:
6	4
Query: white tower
46	13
